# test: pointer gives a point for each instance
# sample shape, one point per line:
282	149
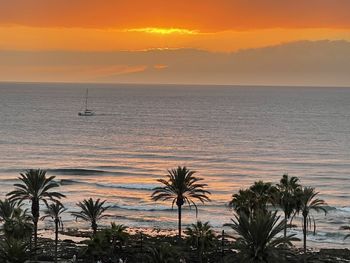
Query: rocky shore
73	242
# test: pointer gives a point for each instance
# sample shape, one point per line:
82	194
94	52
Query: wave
69	182
148	187
142	208
344	209
145	187
76	171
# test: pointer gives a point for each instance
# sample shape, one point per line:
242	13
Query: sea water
230	135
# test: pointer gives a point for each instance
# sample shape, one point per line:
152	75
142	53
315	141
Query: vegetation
309	202
117	235
287	197
14	250
258	239
164	253
35	187
17	228
258	230
91	211
54	211
201	236
253	200
181	187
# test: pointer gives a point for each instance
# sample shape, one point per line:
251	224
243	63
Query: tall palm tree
258	239
35	187
254	199
181	187
308	202
242	202
286	197
91	211
201	236
263	195
54	211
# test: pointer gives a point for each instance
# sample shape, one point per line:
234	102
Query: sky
41	30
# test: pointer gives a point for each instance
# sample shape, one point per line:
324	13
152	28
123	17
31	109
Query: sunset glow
136	26
164	31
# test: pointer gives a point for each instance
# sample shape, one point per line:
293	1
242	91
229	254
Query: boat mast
86	99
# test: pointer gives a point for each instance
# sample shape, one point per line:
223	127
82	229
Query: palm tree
54	211
35	187
118	234
91	211
165	253
286	197
308	201
258	239
242	202
201	236
14	250
19	226
263	195
181	187
254	199
7	209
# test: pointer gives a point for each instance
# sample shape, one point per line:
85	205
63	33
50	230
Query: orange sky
195	14
180	41
224	25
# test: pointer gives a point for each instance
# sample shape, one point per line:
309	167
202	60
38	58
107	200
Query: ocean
230	135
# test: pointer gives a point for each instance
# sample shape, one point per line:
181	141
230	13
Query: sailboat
86	112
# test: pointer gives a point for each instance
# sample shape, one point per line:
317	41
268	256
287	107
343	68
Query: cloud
325	63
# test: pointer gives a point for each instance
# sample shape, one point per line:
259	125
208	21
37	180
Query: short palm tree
181	187
35	187
308	201
259	239
201	236
286	197
54	211
19	226
14	250
91	211
7	209
118	234
165	253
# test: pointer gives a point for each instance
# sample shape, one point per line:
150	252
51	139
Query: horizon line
173	84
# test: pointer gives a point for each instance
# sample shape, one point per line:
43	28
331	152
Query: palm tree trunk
35	237
179	220
56	240
285	224
94	227
35	213
304	232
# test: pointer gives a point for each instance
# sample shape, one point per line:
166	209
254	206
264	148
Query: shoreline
71	241
79	235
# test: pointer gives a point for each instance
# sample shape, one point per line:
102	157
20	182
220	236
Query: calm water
232	136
